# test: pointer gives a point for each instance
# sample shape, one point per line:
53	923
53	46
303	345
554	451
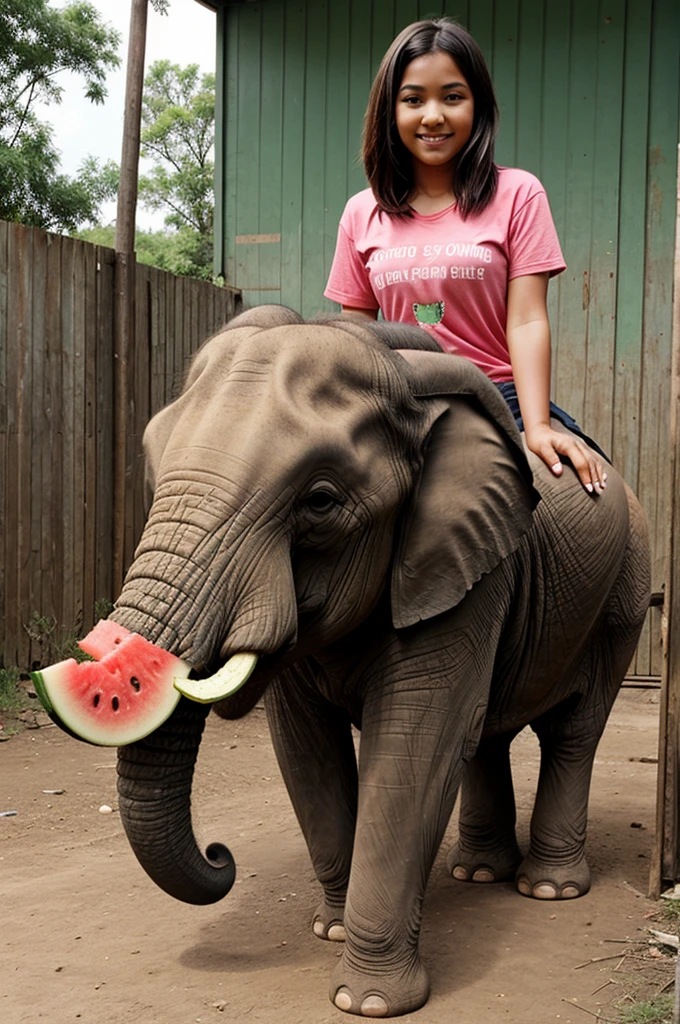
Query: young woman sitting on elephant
446	239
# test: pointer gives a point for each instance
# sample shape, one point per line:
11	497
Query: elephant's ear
475	497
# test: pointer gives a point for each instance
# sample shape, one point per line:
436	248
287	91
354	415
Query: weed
657	1010
13	697
56	642
102	608
670	914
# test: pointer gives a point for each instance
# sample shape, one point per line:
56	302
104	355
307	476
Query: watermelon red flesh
117	700
103	639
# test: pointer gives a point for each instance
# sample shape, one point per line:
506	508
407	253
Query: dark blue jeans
509	393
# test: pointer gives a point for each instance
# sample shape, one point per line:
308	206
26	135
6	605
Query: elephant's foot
384	994
327	923
545	881
497	864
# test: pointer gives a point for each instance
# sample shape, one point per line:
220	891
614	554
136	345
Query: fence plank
4	395
22	555
39	469
103	529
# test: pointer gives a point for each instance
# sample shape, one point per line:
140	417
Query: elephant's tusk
225	682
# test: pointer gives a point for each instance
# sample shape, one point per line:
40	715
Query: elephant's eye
322	500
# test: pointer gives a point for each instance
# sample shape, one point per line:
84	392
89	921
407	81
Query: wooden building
589	97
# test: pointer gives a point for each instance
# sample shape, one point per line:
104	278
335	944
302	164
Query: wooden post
665	867
124	307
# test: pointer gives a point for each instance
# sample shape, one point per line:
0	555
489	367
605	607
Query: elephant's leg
412	741
555	867
313	744
487	849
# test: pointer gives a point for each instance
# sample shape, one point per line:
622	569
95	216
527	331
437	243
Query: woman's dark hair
387	162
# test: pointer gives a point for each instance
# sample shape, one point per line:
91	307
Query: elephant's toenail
570	892
483	875
523	886
374	1006
545	891
319	929
336	933
343	1000
460	873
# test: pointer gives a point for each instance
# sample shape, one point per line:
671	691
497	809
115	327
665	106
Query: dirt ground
85	935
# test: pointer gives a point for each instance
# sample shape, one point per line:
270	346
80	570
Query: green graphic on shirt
429	313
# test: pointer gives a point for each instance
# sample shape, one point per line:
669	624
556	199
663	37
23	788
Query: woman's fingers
590	469
588	466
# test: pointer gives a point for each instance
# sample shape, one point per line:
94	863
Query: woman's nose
432	113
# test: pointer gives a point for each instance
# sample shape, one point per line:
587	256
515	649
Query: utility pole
124	302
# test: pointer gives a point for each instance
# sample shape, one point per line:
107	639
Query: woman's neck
432	189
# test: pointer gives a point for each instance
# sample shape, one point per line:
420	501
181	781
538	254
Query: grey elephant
360	512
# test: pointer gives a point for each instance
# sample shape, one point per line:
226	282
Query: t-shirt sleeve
348	281
534	247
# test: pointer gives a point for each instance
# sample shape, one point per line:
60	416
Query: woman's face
435	110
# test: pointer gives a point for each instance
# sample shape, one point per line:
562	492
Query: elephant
358	509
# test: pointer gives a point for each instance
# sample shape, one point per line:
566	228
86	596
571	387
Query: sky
185	35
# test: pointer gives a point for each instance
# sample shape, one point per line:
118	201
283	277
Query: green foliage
670	914
178	126
56	642
37	43
655	1011
182	252
12	697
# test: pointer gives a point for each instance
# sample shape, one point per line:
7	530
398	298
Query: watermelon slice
104	638
117	700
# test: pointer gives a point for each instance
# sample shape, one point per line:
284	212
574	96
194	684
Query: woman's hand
549	444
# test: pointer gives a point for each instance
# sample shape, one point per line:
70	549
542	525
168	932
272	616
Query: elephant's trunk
154	788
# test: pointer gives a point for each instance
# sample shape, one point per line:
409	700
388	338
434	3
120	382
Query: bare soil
85	935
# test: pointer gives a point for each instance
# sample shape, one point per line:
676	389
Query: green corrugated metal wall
588	93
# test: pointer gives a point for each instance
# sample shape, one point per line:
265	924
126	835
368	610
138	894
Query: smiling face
434	111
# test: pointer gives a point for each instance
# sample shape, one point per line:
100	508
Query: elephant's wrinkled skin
364	520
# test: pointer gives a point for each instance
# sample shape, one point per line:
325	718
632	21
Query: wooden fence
56	421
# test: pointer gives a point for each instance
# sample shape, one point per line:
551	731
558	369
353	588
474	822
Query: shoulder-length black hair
387	162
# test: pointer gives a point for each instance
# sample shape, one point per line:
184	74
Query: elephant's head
306	469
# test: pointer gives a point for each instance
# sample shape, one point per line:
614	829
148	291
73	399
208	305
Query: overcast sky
185	35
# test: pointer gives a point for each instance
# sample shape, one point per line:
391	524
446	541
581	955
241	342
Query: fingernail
589	488
557	468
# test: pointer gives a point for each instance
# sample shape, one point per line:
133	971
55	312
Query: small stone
105	809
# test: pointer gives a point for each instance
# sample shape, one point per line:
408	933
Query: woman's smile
434	112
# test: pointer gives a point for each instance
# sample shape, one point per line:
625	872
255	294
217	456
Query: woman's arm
528	335
363	314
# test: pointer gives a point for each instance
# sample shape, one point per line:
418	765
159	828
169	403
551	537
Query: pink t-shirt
446	274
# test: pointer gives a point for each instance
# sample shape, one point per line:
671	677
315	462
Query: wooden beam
124	306
665	866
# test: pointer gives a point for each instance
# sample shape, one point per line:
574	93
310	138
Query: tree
173	251
37	43
178	127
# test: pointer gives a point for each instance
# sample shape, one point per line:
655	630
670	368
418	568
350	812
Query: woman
447	239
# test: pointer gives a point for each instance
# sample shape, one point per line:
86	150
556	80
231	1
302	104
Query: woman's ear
472	504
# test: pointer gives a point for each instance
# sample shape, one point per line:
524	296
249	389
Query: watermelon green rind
42	692
225	682
45	702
